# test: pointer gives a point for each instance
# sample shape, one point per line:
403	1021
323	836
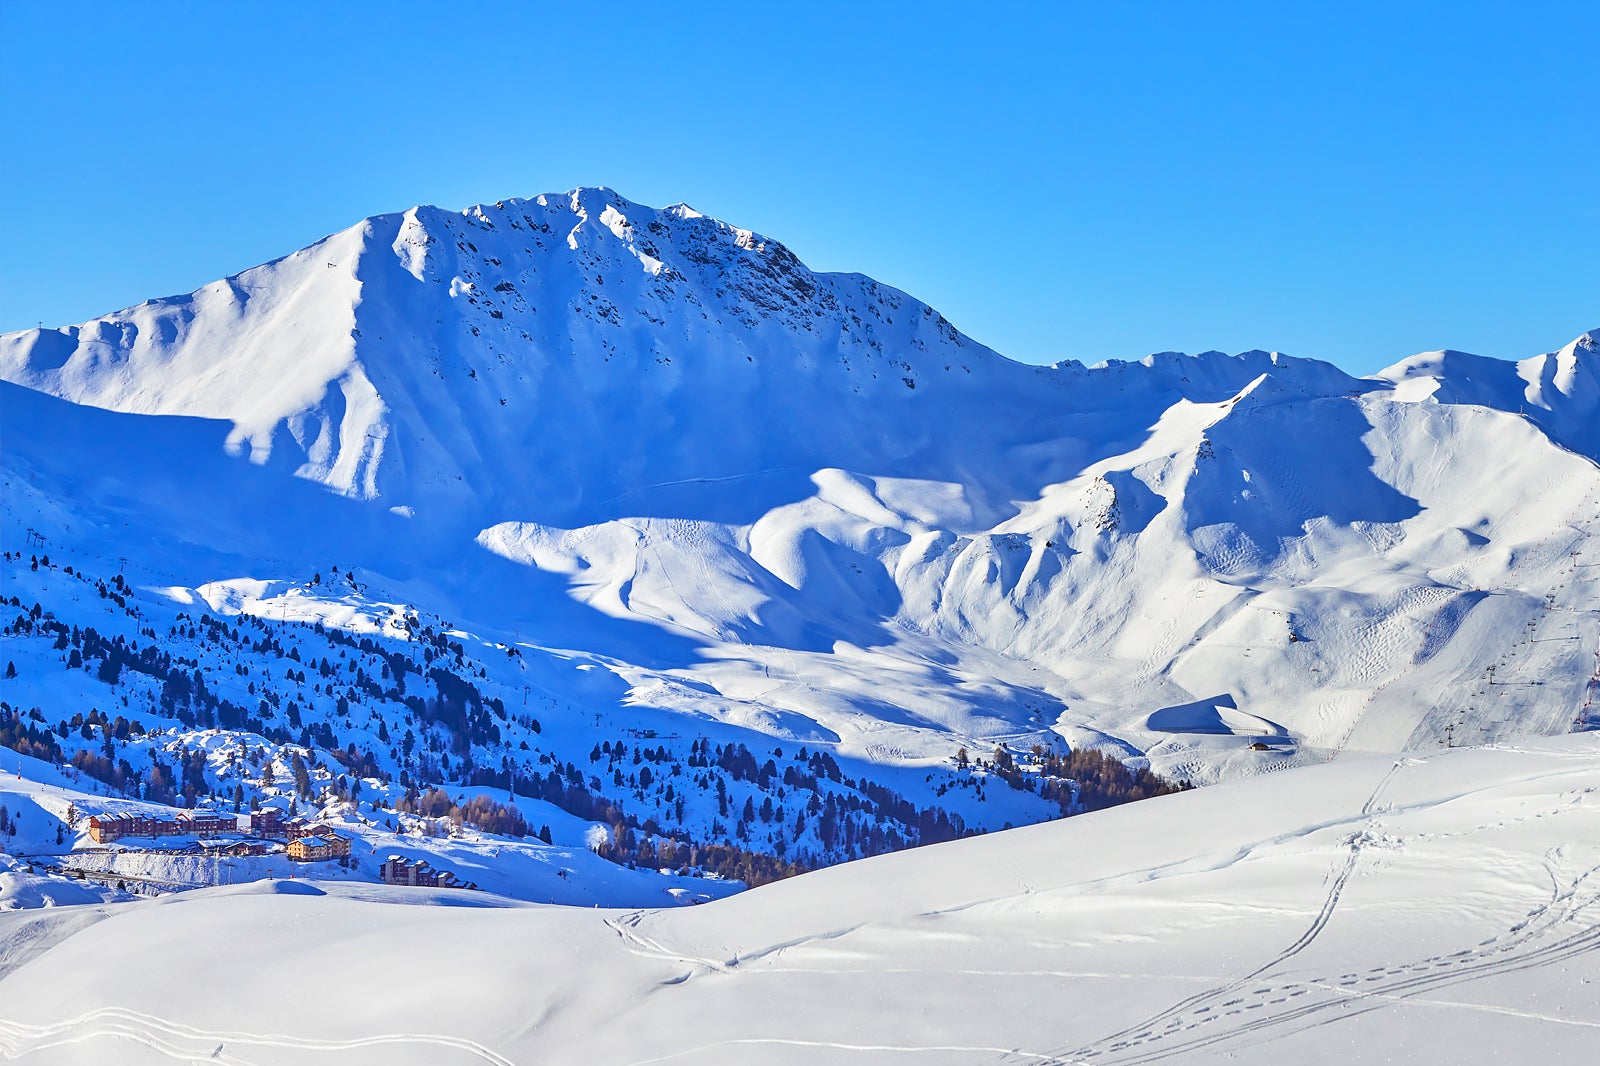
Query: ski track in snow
1172	1015
886	935
1171	1033
827	1045
626	927
1393	984
187	1044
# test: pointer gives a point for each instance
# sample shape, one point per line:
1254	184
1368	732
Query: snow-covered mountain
566	530
655	475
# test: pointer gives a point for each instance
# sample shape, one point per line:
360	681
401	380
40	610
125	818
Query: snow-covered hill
1439	907
645	478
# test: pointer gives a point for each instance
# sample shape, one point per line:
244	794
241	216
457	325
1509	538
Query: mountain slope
805	507
1333	914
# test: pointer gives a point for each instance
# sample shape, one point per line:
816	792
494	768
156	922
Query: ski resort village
351	766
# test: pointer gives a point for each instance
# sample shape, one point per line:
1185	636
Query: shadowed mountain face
806	504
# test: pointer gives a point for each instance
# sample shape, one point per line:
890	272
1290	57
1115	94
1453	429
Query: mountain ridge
806	504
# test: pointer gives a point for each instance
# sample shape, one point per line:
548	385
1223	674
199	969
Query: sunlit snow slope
1440	907
806	504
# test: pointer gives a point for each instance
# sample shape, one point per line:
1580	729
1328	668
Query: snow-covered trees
302	777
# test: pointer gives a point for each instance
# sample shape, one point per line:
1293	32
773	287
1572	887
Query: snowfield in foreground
1443	907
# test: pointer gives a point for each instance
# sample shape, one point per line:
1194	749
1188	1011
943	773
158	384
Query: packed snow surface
1434	907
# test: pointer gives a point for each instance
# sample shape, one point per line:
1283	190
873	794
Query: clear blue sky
1354	182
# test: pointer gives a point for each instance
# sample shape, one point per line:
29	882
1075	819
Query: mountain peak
804	501
416	354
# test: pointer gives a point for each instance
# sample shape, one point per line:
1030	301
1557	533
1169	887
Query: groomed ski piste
1433	907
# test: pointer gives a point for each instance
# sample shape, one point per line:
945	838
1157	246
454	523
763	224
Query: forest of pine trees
436	721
